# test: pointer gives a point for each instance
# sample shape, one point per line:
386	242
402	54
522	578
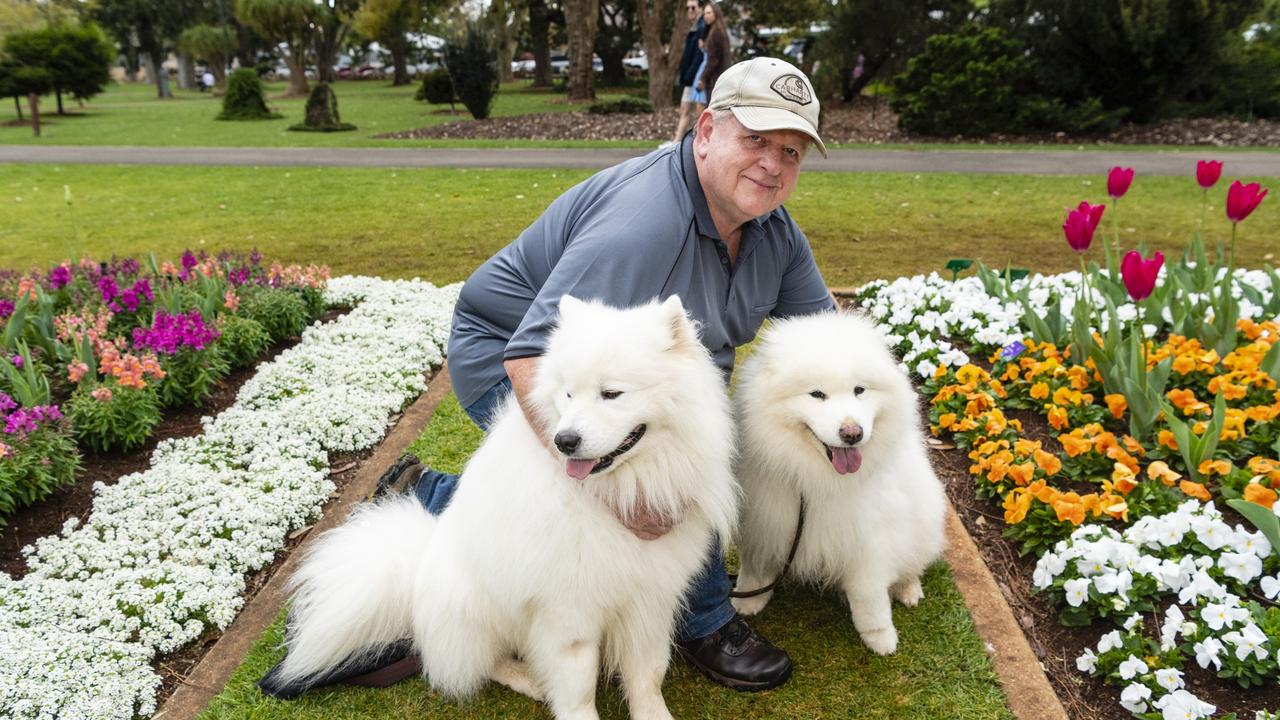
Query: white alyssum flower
163	557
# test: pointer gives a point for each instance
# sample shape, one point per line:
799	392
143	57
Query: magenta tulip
1118	181
1140	274
1243	199
1208	172
1080	225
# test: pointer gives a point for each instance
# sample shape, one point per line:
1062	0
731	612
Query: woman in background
715	55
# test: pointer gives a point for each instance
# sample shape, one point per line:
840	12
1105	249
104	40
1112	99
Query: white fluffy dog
825	414
528	577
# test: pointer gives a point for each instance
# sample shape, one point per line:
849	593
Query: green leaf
1271	362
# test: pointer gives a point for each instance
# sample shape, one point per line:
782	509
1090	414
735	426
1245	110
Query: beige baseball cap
766	93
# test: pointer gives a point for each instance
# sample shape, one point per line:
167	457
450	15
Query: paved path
1062	162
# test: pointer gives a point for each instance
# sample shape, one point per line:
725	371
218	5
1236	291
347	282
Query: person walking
715	54
690	63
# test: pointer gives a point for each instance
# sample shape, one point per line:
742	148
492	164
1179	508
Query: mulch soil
47	516
866	120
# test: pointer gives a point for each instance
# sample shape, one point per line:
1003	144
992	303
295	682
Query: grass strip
940	669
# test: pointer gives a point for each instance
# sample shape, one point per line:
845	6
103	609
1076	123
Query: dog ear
684	335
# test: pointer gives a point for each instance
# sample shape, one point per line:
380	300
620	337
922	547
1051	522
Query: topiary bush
473	66
979	81
244	100
322	112
626	104
437	88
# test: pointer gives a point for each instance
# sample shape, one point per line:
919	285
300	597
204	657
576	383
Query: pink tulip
1243	199
1118	181
1208	172
1140	275
1080	225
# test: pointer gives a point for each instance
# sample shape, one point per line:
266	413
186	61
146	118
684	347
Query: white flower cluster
924	316
163	557
1191	553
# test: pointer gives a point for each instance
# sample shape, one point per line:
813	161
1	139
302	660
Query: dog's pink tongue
846	460
579	469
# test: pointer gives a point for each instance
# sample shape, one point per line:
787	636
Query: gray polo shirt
634	232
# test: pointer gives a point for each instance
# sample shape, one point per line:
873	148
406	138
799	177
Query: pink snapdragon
170	333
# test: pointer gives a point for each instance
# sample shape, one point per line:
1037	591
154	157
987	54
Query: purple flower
143	288
1012	350
130	266
27	420
6	404
17	361
255	257
59	277
238	277
6	307
170	333
189	260
107	286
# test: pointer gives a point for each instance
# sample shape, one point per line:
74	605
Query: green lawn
440	223
130	114
939	671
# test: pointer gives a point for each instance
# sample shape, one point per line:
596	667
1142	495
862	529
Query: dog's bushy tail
353	591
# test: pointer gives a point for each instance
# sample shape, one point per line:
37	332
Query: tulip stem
1084	285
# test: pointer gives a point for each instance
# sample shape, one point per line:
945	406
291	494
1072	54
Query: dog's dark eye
859	390
610	394
818	394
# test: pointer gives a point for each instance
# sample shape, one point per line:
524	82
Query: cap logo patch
792	87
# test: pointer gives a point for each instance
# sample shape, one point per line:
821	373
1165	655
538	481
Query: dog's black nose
850	433
568	441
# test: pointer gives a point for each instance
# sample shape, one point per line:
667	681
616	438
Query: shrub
37	458
113	417
244	100
282	313
322	112
437	88
979	81
243	340
473	67
626	104
190	376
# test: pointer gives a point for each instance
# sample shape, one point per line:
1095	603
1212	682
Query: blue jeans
707	607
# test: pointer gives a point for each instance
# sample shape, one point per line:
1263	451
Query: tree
77	58
322	112
617	33
580	23
539	31
20	81
1142	56
143	27
664	57
390	22
504	20
332	27
213	45
884	32
243	100
472	64
290	22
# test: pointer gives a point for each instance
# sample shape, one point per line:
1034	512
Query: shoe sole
733	683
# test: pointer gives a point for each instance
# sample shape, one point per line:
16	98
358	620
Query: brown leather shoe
400	477
736	657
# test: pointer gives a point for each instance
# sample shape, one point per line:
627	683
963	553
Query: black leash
791	555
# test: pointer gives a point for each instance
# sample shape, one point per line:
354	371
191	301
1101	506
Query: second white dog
825	414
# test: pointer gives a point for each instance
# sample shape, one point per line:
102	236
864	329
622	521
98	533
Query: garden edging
208	677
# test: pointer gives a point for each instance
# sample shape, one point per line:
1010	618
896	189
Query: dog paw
883	641
751	605
909	593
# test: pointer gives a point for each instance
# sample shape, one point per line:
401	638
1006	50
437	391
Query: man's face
746	173
691	9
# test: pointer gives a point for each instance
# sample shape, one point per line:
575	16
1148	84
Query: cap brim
754	117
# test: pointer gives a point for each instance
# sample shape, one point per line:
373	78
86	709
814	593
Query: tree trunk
328	40
34	99
580	22
17	105
186	72
158	76
399	60
664	59
539	29
58	93
504	18
297	62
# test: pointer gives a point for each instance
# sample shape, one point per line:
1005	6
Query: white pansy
1271	586
1132	621
1182	705
162	559
1223	615
1243	566
1249	640
1087	662
1048	567
1252	542
1110	641
1208	652
1134	697
1132	667
1077	590
1170	679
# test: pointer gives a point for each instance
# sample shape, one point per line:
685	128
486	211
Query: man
689	62
703	220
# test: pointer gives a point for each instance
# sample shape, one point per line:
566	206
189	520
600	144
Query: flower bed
1162	406
163	557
